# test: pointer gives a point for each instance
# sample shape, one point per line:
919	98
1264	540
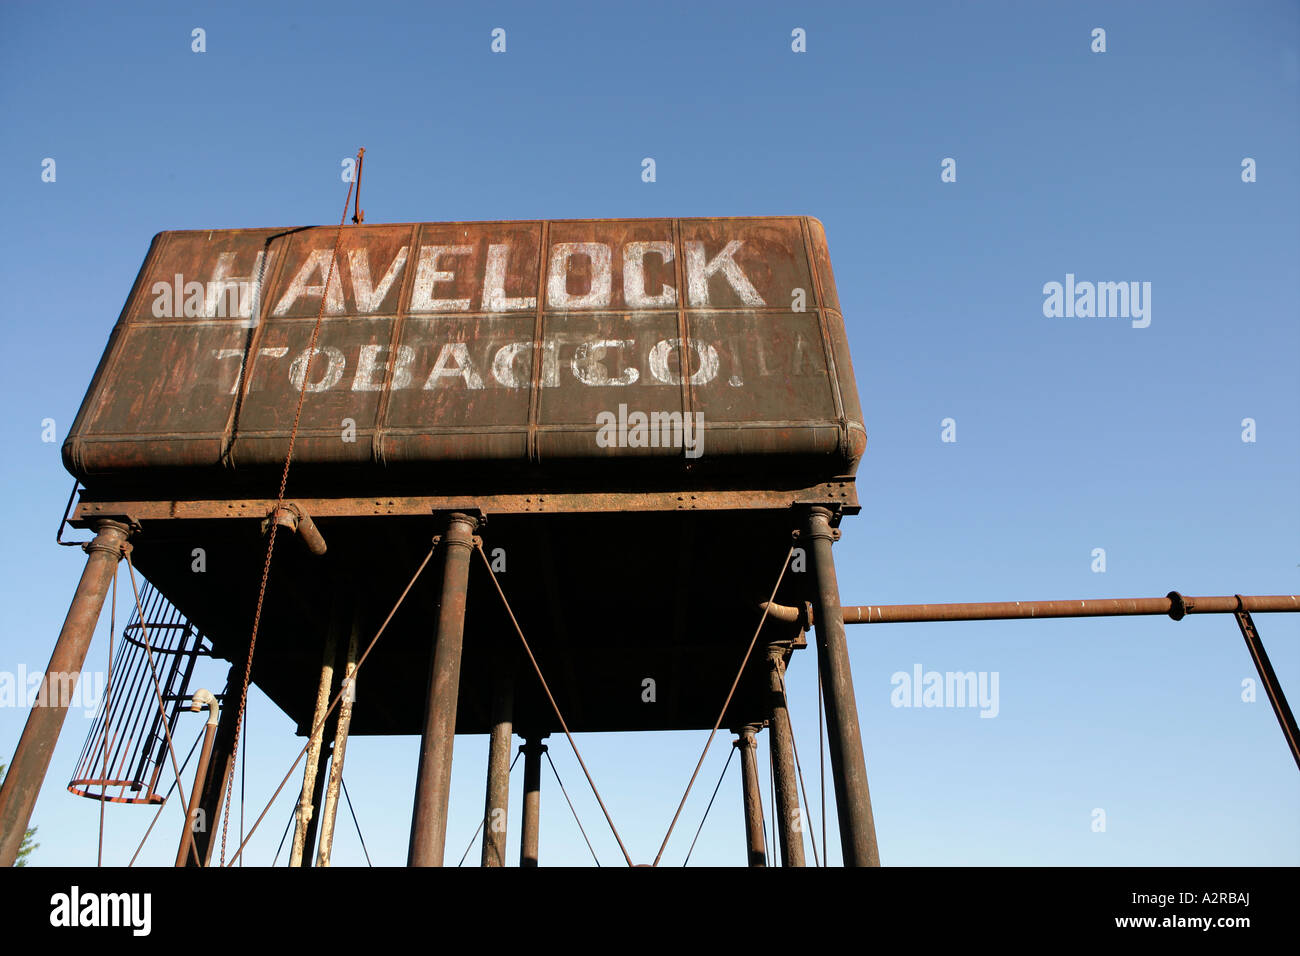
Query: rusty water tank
641	410
590	348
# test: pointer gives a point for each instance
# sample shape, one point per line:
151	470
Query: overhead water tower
619	440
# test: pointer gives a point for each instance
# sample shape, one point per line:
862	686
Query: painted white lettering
494	283
634	293
660	371
427	275
369	298
464	367
318	262
557	287
699	268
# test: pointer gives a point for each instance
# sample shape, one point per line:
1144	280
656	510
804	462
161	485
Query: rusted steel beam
26	773
433	778
1174	604
200	699
841	492
789	818
755	842
848	765
497	799
1281	709
329	810
532	816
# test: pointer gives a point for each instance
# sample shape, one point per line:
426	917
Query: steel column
433	779
31	760
330	809
848	766
789	817
497	800
304	830
200	699
533	750
755	844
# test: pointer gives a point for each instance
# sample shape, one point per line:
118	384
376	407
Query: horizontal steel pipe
1174	605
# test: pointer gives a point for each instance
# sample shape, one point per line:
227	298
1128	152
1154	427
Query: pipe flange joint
117	550
1179	606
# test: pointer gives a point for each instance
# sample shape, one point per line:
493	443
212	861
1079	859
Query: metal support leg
789	817
330	809
533	751
317	792
27	770
497	801
304	830
1264	666
755	844
433	780
848	766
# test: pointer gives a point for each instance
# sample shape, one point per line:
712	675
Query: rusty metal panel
702	343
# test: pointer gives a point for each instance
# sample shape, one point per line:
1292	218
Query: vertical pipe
330	810
789	819
755	845
31	760
528	846
201	698
848	766
433	778
497	800
304	830
317	791
220	766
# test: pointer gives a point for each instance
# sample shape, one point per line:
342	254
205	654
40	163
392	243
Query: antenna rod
359	214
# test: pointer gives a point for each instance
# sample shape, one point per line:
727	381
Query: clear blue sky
1072	434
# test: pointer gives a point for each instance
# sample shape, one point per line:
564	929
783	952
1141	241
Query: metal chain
334	703
279	502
